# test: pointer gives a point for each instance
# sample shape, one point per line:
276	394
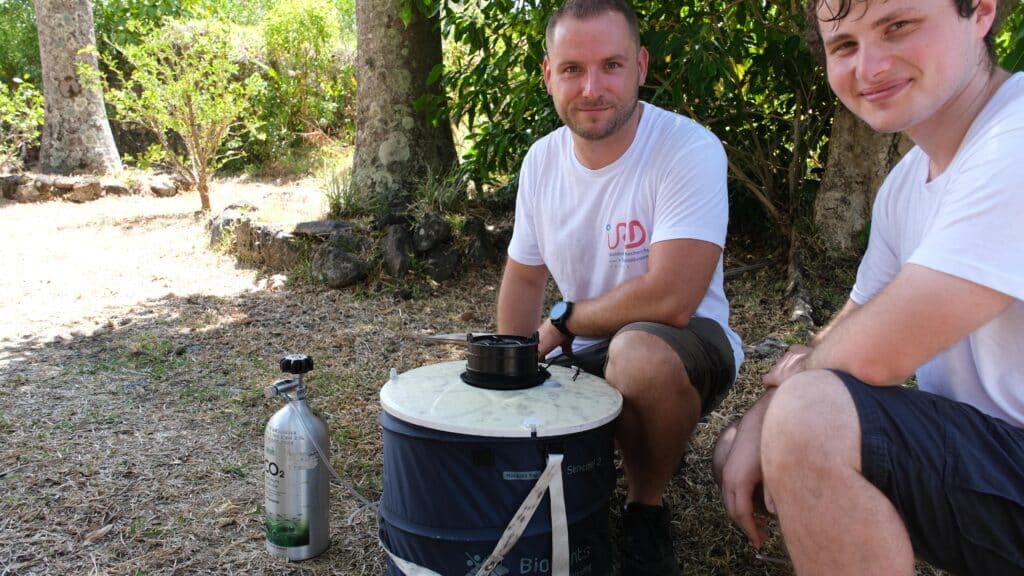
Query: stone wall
341	253
45	187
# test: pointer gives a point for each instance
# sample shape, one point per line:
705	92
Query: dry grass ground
132	361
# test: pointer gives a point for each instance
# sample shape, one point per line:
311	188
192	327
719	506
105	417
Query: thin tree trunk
858	160
76	134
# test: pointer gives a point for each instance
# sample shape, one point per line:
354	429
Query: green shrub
311	79
21	116
126	22
19	43
185	88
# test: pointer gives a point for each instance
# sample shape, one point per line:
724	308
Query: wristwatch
560	313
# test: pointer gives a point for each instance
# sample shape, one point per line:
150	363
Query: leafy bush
311	78
21	115
126	22
739	67
185	88
1010	40
19	43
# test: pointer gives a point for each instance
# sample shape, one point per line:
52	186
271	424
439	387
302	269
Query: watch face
559	309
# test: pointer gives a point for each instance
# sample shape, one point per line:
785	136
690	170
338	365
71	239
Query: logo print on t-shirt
630	234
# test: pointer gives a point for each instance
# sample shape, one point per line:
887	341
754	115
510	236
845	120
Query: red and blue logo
627	235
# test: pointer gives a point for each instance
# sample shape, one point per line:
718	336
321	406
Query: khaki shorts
702	346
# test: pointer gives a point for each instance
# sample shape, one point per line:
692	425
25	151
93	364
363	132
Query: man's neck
941	135
596	154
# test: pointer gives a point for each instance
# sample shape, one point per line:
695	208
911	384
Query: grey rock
140	188
396	248
85	191
64	183
9	183
224	223
390	217
501	236
769	348
442	263
44	186
248	237
334	265
30	193
481	249
260	244
321	229
163	187
282	253
112	187
431	231
182	182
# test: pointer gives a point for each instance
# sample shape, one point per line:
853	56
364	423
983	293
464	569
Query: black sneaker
647	542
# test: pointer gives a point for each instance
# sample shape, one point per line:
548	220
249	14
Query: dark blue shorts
954	474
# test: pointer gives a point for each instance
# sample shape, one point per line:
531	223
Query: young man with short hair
626	208
862	472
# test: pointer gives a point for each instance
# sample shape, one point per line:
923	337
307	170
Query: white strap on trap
550	481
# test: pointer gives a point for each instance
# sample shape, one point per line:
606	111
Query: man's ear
546	68
984	17
642	59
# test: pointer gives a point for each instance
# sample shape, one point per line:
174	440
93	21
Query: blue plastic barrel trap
459	461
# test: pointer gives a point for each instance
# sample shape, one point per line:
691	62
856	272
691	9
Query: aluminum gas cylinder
295	470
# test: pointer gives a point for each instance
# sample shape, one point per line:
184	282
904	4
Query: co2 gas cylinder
296	470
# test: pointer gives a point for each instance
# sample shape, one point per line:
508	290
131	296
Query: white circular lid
435	397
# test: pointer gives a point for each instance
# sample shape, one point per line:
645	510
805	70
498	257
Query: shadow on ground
137	449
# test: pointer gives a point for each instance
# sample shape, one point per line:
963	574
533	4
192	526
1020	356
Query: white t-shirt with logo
968	222
593	229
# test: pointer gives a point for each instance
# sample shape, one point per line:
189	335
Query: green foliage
741	68
1010	40
493	78
19	43
744	70
21	116
185	88
125	22
310	94
345	199
446	193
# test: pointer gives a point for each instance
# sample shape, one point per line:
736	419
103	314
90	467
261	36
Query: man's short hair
583	9
965	8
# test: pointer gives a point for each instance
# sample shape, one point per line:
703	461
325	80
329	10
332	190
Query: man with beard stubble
625	208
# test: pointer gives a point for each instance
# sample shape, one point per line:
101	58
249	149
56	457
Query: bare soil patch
132	361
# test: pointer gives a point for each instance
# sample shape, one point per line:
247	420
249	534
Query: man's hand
791	363
550	338
742	479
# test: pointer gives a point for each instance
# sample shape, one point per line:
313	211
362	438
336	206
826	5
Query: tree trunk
858	160
396	144
76	134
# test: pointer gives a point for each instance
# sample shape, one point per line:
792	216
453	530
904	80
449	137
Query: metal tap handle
281	387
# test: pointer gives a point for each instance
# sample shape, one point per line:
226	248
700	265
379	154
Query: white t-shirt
593	229
968	222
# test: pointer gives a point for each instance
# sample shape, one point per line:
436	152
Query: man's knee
811	420
635	353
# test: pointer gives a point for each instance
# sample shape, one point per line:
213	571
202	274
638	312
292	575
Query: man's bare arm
521	298
918	315
677	277
843	313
